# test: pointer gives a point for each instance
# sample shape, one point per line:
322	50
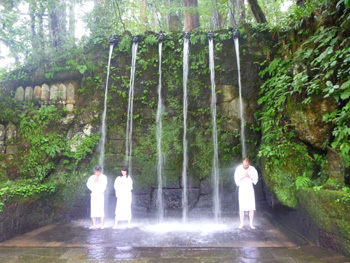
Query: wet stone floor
169	242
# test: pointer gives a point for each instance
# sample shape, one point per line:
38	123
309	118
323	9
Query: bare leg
241	217
102	223
93	223
251	217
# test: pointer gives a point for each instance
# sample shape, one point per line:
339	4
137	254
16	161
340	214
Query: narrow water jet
236	40
185	157
104	114
128	150
215	168
160	205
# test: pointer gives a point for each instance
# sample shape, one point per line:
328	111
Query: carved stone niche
19	95
28	95
54	93
2	133
45	93
62	93
70	92
11	131
37	92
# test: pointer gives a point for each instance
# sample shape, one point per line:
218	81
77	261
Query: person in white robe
97	184
245	176
123	187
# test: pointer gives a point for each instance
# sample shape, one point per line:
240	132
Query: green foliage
78	148
23	188
302	182
346	198
320	67
45	144
125	44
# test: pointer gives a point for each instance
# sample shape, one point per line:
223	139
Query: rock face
308	122
336	170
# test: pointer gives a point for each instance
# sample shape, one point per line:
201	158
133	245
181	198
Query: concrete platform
169	241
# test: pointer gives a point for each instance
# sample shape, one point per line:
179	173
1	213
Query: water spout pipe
186	35
235	33
114	40
210	35
136	38
161	37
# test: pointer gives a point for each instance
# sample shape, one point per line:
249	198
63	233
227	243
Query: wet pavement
171	241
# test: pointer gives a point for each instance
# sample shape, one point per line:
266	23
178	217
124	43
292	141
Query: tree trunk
215	16
257	12
240	11
71	22
231	13
57	22
32	26
191	15
41	12
143	12
174	22
237	13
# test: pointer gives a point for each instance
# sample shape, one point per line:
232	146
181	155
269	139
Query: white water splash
103	126
128	150
240	99
185	160
215	168
160	206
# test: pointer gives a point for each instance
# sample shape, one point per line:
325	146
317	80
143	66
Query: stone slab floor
169	242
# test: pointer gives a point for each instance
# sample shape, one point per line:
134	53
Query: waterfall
240	98
159	140
103	126
215	169
185	160
128	150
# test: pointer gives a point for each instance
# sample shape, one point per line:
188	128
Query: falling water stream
185	160
128	150
240	98
103	128
215	169
159	140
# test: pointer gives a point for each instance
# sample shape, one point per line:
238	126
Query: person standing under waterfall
123	188
245	176
97	184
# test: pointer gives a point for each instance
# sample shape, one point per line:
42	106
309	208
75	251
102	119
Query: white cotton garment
97	188
123	187
246	195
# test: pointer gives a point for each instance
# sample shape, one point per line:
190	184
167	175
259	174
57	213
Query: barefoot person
245	176
123	187
97	184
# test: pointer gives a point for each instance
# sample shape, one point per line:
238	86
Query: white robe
246	195
97	194
123	187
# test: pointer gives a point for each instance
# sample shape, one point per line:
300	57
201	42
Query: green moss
325	211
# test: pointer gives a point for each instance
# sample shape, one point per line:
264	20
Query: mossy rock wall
329	210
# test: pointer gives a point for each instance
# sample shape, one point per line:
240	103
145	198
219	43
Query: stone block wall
56	93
